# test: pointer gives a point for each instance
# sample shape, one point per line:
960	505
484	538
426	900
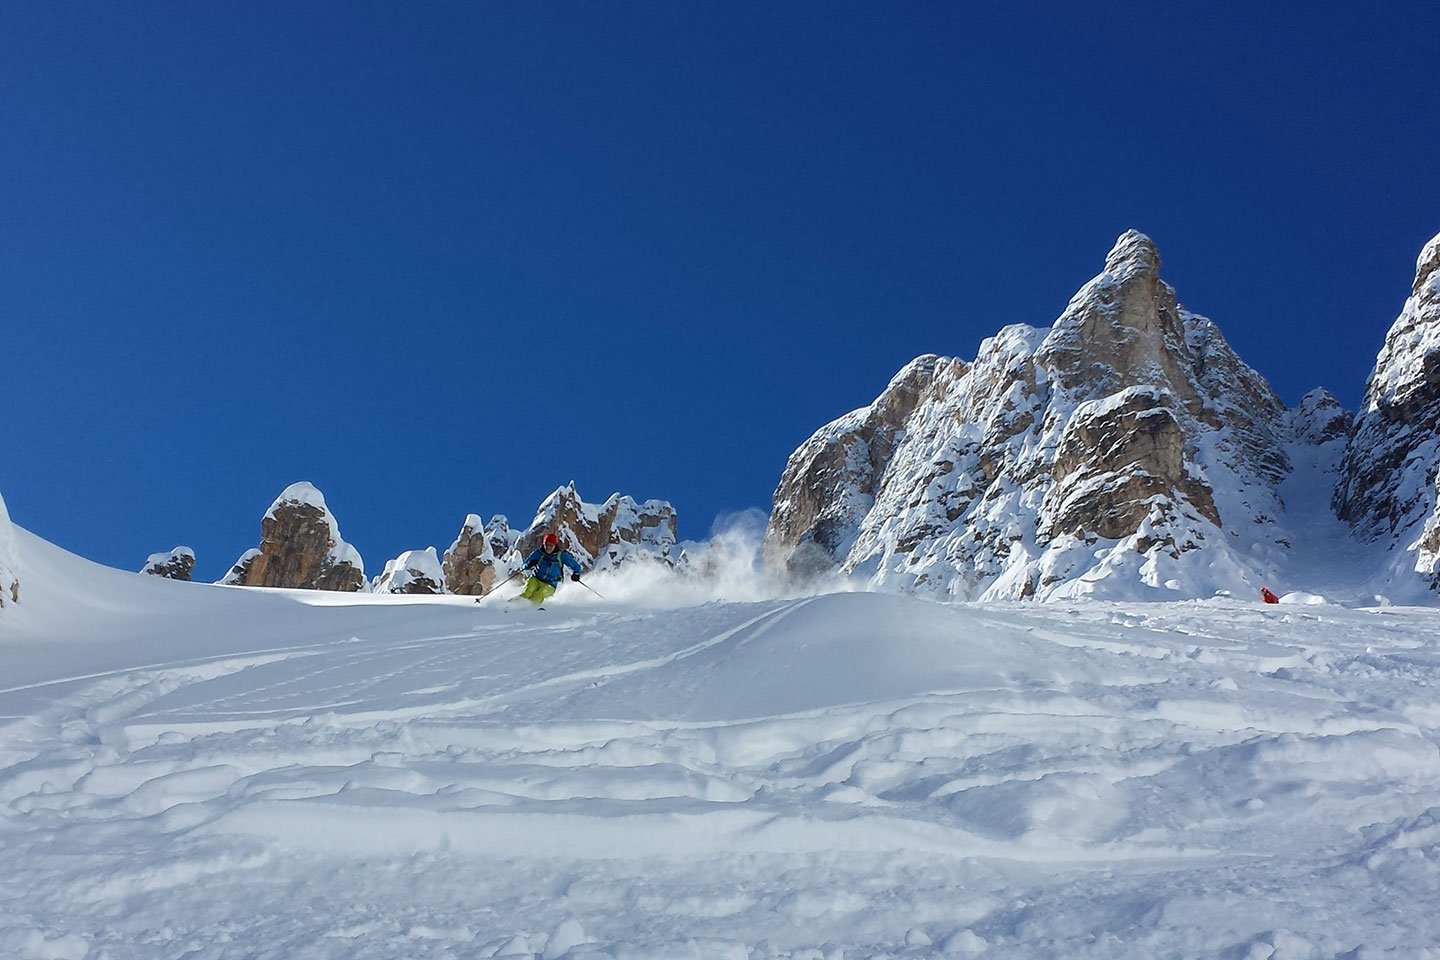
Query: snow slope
9	564
208	772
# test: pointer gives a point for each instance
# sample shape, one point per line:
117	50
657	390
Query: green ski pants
537	591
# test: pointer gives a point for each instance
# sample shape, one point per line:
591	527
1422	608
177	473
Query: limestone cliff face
178	564
9	560
1387	488
1098	452
300	546
1118	457
831	481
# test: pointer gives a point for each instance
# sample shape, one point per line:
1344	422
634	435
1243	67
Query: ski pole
496	588
590	588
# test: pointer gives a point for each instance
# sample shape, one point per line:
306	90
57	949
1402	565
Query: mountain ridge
1126	448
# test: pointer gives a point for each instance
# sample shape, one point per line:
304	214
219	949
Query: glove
575	577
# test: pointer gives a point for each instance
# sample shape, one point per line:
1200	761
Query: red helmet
550	542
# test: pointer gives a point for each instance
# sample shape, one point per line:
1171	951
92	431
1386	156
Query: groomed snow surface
191	771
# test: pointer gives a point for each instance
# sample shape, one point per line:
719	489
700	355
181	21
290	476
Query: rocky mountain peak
1134	254
1427	272
1102	449
1123	329
300	546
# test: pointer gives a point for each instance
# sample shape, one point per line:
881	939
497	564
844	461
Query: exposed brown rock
1123	330
604	536
831	480
1116	459
300	546
470	562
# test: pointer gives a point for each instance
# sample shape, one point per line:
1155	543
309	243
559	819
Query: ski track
1097	780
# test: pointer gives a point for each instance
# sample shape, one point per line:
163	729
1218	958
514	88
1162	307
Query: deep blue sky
439	259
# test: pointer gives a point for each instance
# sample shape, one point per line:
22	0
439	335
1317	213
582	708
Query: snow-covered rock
1387	489
1319	419
9	560
413	572
475	561
178	564
300	546
1124	451
607	535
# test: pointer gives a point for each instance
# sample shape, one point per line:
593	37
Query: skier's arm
571	562
533	559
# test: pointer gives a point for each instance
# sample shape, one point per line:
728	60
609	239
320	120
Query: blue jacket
548	566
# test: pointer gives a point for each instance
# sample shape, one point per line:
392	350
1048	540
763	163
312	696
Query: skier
549	563
1267	596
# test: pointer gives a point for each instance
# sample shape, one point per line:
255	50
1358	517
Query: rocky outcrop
413	572
1387	489
1120	459
470	563
1094	454
300	546
178	564
1319	419
604	536
9	560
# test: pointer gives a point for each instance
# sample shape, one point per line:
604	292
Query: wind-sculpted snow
851	775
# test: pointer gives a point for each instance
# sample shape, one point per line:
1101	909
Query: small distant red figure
1267	596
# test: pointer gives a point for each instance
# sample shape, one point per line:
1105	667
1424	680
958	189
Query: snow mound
1304	599
414	571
